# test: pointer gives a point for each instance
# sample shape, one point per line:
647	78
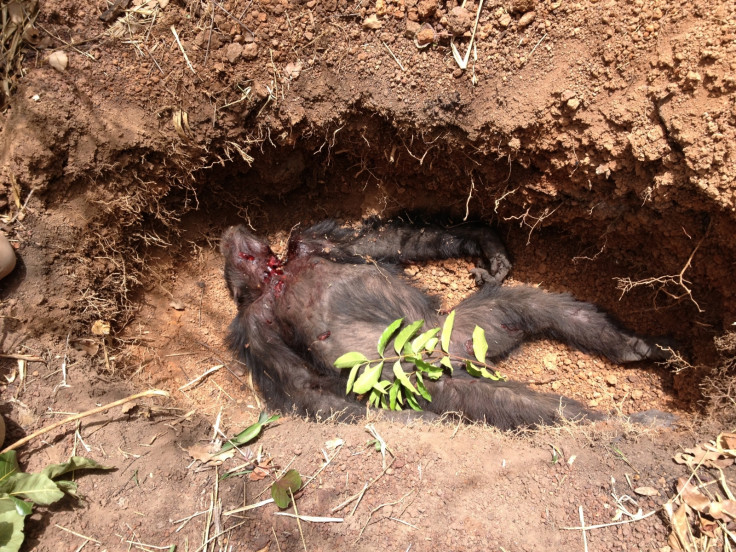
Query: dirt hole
597	137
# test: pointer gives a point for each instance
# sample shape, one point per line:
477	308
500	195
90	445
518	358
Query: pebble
372	22
521	6
567	95
233	51
573	103
459	20
425	35
611	380
250	51
527	19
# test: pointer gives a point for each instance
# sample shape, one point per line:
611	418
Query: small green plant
20	491
419	351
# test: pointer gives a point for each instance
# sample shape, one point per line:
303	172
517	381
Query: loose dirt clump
598	137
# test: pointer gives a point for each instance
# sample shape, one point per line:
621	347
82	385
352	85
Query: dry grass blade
17	19
75	417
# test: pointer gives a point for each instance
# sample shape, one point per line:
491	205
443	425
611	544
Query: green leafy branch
419	351
20	491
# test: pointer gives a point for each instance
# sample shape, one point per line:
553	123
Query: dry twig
75	417
626	284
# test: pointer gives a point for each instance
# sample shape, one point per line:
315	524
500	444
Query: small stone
293	70
504	20
693	77
527	19
522	6
250	51
550	361
233	52
515	144
425	35
637	394
573	103
459	21
412	28
567	95
611	380
372	22
457	73
59	60
426	8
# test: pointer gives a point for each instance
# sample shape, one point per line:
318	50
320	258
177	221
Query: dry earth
598	136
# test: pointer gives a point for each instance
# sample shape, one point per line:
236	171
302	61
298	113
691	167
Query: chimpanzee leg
397	242
510	314
506	405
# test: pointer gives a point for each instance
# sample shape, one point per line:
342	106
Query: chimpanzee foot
483	277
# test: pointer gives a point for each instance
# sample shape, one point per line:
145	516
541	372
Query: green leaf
407	352
491	374
21	506
374	399
384	402
283	488
419	343
11	524
393	395
412	402
402	377
368	378
433	372
348	360
52	471
381	386
35	487
351	378
447	363
447	331
431	344
8	467
480	345
406	334
250	433
422	389
387	335
68	487
472	369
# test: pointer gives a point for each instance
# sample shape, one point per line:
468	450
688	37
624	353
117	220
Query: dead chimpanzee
337	290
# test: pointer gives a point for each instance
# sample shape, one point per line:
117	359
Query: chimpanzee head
249	264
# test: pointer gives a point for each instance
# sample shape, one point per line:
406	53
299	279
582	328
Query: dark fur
336	292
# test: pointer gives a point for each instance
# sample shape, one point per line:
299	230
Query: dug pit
597	138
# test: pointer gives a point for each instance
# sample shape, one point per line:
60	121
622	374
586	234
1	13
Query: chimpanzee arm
285	379
398	242
289	382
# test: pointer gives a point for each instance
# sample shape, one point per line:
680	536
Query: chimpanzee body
337	290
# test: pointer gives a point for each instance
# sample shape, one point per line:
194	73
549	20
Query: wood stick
75	417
